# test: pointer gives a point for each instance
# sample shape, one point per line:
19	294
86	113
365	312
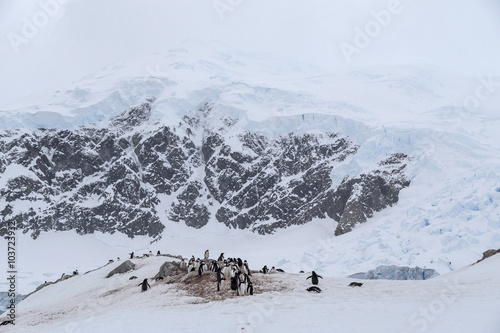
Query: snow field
461	301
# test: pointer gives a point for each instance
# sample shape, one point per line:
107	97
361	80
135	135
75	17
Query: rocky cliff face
129	176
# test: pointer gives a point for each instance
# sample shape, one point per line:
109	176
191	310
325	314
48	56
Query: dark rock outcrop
124	267
128	176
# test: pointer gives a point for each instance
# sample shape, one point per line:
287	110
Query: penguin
240	263
314	277
206	255
133	277
221	257
314	288
158	253
250	288
159	278
201	268
132	255
183	264
215	266
227	270
280	270
265	270
63	276
355	284
220	280
110	261
245	265
273	270
242	284
302	272
75	272
150	254
144	285
118	259
197	263
234	282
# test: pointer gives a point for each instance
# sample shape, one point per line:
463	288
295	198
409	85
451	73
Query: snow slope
461	301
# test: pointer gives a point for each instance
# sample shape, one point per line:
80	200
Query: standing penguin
221	257
201	268
144	285
264	269
314	277
220	280
132	255
242	284
247	270
206	255
215	266
234	281
250	287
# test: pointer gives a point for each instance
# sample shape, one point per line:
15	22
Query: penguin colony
231	271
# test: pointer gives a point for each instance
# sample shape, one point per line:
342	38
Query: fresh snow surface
462	301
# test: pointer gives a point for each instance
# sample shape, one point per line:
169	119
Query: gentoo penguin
215	266
133	277
75	272
242	284
280	270
206	255
63	276
247	270
150	254
250	288
234	281
201	268
132	255
158	253
220	280
227	270
183	264
314	288
265	270
221	257
240	263
314	277
273	270
355	284
144	285
159	278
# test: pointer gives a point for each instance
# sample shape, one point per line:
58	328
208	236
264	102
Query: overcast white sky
77	37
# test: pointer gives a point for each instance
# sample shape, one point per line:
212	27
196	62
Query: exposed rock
488	253
168	268
123	268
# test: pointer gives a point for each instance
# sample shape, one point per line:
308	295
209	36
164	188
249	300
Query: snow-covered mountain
129	176
185	140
